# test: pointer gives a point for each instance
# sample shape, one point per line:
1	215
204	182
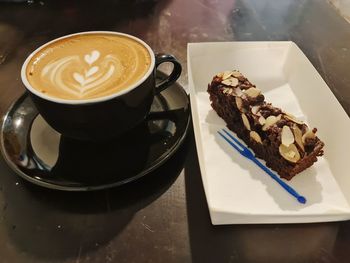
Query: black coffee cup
104	117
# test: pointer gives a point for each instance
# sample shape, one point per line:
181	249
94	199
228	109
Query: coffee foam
88	66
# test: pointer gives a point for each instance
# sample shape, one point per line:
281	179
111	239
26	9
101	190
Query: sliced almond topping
290	153
239	92
262	120
255	109
255	136
271	120
226	82
226	90
292	118
220	75
230	82
239	103
298	136
226	74
287	136
253	92
236	74
307	135
245	121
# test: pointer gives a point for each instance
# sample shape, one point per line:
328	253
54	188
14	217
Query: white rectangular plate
237	191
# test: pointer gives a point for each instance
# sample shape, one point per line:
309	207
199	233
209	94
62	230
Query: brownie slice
286	144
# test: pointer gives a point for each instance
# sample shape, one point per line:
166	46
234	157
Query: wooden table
163	217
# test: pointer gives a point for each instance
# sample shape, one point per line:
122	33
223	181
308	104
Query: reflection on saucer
44	141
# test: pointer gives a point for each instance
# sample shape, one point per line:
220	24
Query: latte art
88	66
87	77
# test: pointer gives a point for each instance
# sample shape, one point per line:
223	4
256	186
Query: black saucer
44	157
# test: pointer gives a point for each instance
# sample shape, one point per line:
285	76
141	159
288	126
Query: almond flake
236	74
292	118
308	135
262	120
245	121
220	75
239	92
271	120
255	109
253	92
287	136
255	136
239	103
290	153
298	137
226	90
226	74
230	82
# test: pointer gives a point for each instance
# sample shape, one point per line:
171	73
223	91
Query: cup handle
174	75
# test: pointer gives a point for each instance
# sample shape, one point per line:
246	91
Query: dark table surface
163	217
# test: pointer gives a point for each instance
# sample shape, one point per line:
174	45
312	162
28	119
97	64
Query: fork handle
301	199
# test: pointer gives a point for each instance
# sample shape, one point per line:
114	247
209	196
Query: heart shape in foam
82	80
91	58
91	71
79	78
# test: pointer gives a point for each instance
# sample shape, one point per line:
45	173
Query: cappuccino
87	66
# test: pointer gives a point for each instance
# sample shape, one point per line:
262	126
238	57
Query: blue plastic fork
248	154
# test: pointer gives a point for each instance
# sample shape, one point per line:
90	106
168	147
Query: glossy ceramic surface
42	156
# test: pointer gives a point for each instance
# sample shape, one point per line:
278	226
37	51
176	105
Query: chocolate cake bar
286	144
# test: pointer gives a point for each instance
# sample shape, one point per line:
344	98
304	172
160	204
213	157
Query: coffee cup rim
92	100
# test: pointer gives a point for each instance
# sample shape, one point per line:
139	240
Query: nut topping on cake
292	118
255	109
271	120
233	82
287	136
220	75
236	74
253	92
239	92
255	136
290	153
226	90
308	135
262	120
246	121
226	74
298	137
239	103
